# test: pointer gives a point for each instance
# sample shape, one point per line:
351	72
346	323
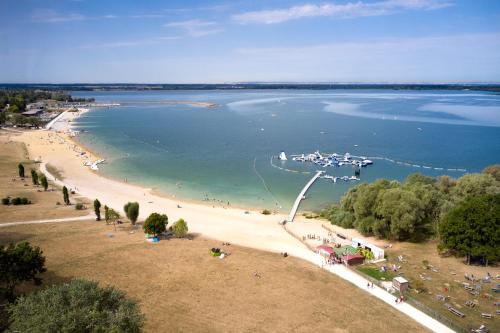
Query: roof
353	256
326	248
400	279
345	249
32	112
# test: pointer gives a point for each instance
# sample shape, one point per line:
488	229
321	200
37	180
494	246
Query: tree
19	263
20	169
34	177
475	184
65	195
97	210
77	306
110	215
44	182
472	228
180	228
155	224
132	211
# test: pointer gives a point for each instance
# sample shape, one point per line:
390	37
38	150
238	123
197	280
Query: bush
16	201
78	306
155	224
6	201
180	228
24	201
131	210
79	206
266	212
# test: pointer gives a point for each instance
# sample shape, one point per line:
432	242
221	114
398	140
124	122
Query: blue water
197	153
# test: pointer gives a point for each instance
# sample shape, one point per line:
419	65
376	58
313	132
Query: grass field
182	288
44	204
443	276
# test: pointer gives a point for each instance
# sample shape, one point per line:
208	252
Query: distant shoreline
95	87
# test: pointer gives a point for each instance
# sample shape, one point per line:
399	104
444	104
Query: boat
282	156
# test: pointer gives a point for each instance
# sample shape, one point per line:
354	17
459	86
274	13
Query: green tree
472	228
155	224
20	169
110	215
77	306
180	228
19	263
44	182
13	109
65	195
34	177
475	184
97	209
132	211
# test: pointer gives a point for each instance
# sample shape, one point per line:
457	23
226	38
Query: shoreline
256	231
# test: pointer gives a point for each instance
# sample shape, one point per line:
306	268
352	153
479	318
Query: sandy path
252	230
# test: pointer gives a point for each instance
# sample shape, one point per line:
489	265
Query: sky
370	41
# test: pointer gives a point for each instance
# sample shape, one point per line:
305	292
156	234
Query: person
368	285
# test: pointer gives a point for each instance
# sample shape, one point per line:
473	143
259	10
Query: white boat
282	156
353	178
365	161
94	167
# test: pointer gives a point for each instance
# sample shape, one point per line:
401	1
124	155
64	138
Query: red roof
326	248
353	256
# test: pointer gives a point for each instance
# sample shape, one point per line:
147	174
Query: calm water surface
225	152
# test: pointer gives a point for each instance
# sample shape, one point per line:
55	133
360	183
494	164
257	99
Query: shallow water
225	152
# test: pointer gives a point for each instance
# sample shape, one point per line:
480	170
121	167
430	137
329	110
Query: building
378	253
353	259
32	112
325	251
400	283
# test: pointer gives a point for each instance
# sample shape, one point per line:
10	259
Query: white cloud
196	27
347	10
52	16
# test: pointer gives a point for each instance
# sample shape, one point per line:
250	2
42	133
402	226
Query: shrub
34	177
79	206
266	212
131	210
25	201
16	201
180	228
6	201
44	182
77	306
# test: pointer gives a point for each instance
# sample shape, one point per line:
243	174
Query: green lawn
375	273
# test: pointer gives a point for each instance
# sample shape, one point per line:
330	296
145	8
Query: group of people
399	299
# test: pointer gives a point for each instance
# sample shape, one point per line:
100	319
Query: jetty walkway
301	195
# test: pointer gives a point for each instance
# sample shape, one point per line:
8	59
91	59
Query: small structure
32	112
325	251
353	259
378	253
400	283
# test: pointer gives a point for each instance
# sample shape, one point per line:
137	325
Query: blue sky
102	41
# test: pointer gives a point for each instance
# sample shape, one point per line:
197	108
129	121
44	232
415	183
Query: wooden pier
301	195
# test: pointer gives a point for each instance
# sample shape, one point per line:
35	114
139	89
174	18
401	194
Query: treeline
256	85
414	209
18	99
